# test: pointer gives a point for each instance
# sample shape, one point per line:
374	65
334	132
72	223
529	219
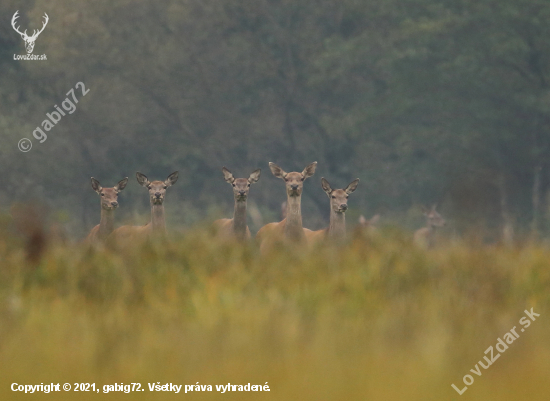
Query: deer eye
333	197
165	187
303	178
248	185
102	194
347	196
148	186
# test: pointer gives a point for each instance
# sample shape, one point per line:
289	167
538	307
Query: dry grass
374	320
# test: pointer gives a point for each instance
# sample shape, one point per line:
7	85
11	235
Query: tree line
425	101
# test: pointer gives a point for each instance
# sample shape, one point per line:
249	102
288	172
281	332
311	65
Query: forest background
426	101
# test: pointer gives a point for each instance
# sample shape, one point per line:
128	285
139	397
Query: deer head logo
29	40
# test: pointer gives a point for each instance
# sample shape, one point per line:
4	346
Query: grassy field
376	319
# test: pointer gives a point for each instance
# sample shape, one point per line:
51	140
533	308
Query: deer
425	236
237	227
109	203
156	228
368	226
29	40
336	231
290	229
29	220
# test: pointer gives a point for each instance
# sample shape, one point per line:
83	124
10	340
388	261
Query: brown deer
368	226
236	227
290	228
29	221
109	203
157	226
336	231
425	236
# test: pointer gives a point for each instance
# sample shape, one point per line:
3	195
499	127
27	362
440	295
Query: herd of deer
290	229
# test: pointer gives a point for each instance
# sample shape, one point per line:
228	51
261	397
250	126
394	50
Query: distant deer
336	231
425	236
29	221
109	203
290	228
157	226
368	226
236	227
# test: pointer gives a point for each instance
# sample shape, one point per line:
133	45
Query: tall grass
376	319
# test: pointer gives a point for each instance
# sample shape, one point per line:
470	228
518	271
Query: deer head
294	181
241	186
434	219
157	189
369	223
29	40
339	197
109	196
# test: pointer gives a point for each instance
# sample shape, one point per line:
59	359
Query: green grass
376	319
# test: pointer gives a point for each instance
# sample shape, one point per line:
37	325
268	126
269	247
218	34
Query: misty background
425	101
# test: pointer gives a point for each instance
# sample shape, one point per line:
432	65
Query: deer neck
107	223
337	226
293	226
239	219
158	222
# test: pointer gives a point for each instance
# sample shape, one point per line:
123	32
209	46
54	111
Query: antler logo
29	40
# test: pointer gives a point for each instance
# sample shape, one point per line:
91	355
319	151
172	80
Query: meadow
374	319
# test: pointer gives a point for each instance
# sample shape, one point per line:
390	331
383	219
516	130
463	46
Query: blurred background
427	101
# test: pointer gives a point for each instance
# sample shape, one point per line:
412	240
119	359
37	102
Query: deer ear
374	219
171	180
326	186
255	176
142	179
227	175
95	185
309	170
121	184
352	186
277	171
